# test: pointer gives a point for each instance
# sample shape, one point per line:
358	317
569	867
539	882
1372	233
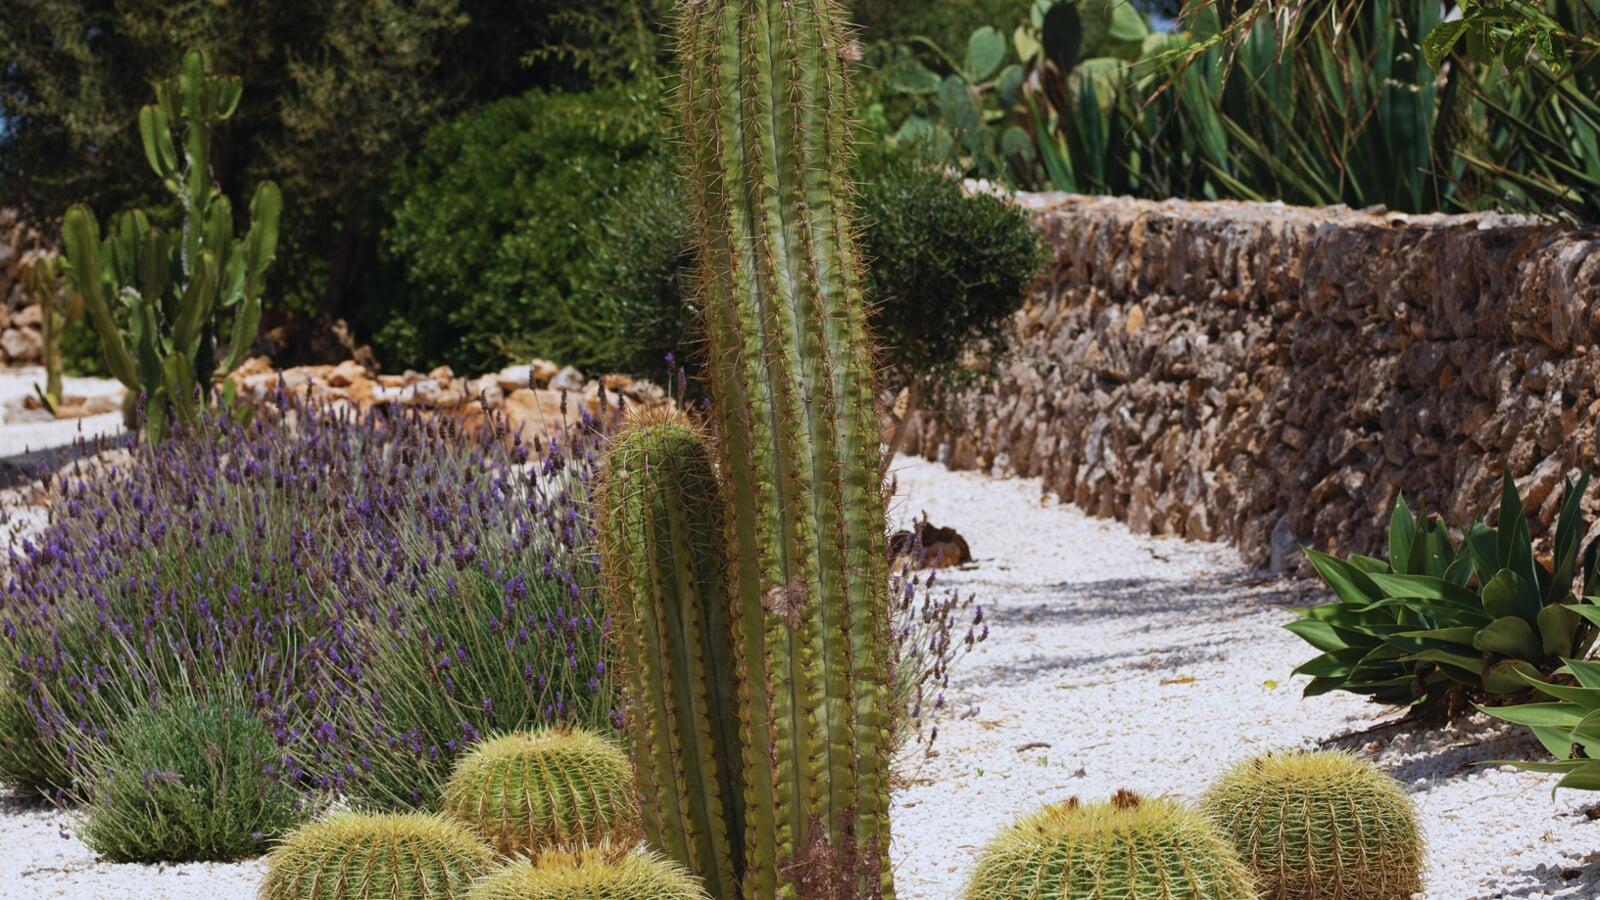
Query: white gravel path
1114	660
1120	660
35	430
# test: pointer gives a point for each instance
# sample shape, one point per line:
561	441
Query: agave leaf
1368	564
1569	528
1544	715
1515	544
1460	661
1322	635
1558	630
1484	548
1508	594
1509	636
1508	676
1349	583
1402	534
1585	673
1463	635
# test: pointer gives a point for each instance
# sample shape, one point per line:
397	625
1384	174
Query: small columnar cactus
660	555
590	874
353	856
529	791
1320	825
1128	848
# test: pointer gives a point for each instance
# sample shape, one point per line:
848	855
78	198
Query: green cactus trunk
661	559
767	130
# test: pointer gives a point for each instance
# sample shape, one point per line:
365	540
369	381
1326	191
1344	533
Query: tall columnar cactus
1129	848
766	125
1315	825
173	285
527	792
353	856
661	558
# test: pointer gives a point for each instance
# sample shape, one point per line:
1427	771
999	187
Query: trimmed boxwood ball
597	873
393	856
529	791
1128	848
1320	826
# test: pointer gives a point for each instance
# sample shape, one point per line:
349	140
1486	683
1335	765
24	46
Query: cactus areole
766	127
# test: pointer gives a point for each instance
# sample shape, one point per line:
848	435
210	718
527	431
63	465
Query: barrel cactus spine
661	560
596	873
355	856
1128	847
1316	825
766	126
526	792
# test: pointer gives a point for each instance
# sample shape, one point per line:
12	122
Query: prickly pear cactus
766	126
661	559
590	874
1320	825
352	856
1128	848
527	792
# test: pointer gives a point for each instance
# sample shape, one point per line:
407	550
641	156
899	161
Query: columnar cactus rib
1128	848
528	792
351	856
1320	825
661	561
766	124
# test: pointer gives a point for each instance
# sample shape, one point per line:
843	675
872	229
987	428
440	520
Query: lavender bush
934	628
381	587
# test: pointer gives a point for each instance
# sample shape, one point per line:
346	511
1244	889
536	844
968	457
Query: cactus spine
766	125
173	285
353	856
1320	825
527	792
1129	848
660	549
597	873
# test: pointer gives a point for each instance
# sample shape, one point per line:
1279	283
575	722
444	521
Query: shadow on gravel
1433	755
1081	602
1553	881
11	804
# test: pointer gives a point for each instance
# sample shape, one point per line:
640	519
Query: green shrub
1315	825
490	225
353	856
527	792
947	22
1564	724
945	269
186	780
1128	848
589	874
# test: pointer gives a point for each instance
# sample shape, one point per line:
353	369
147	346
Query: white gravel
1114	660
1121	660
26	430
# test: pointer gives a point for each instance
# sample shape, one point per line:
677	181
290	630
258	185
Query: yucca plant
174	285
1567	724
1437	619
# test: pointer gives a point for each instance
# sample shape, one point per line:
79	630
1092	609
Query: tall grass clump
381	588
184	781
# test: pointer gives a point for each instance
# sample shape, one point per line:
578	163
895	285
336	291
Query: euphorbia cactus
174	284
766	126
58	310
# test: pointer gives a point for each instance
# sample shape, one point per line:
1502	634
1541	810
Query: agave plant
1568	725
1438	619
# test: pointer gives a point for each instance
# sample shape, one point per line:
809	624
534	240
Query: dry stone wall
1273	376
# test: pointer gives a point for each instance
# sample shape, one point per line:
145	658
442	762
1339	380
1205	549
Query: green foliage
1128	848
186	780
353	856
946	269
1564	723
527	792
790	368
490	226
1316	825
1477	617
942	21
661	537
590	874
176	285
